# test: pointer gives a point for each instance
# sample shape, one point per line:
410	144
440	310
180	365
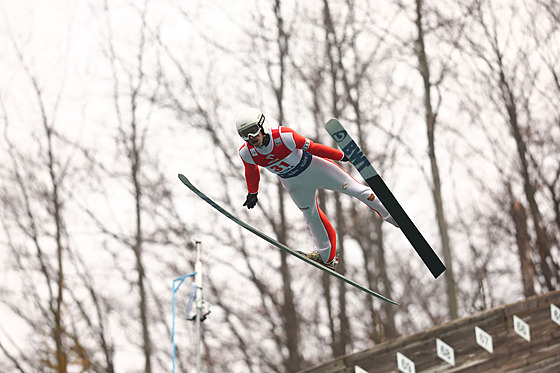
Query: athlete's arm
252	177
314	148
252	173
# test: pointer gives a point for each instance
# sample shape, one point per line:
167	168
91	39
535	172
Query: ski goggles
252	130
249	132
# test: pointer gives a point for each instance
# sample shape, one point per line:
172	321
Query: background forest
104	102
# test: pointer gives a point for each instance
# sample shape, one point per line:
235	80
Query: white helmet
250	122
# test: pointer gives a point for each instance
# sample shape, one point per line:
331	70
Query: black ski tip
185	181
437	273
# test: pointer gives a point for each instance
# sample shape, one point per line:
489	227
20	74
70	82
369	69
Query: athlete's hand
251	200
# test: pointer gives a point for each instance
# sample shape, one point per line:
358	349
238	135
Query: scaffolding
196	297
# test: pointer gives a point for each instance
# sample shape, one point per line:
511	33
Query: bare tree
508	102
354	78
519	216
431	121
288	309
278	312
36	201
131	138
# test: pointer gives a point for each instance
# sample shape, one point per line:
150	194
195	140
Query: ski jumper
303	167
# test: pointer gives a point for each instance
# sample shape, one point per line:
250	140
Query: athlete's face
257	140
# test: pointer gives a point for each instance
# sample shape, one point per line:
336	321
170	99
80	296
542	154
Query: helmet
250	122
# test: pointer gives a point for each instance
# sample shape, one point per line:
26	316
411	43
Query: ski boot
314	255
389	219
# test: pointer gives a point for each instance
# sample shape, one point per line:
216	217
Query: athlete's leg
329	255
322	231
335	178
366	195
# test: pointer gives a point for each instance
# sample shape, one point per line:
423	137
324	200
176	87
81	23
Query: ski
376	183
280	245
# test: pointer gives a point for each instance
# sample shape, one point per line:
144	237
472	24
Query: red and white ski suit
303	167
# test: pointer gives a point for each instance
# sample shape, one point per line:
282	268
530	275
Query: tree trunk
549	266
290	320
389	330
519	217
424	69
289	315
343	342
59	330
138	246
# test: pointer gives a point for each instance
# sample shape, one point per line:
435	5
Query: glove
344	159
251	200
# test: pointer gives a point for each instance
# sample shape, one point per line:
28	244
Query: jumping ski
376	183
280	245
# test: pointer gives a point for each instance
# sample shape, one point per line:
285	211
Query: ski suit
303	167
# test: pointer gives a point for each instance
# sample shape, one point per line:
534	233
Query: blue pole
175	288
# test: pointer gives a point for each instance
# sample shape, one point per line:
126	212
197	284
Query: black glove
251	200
344	159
